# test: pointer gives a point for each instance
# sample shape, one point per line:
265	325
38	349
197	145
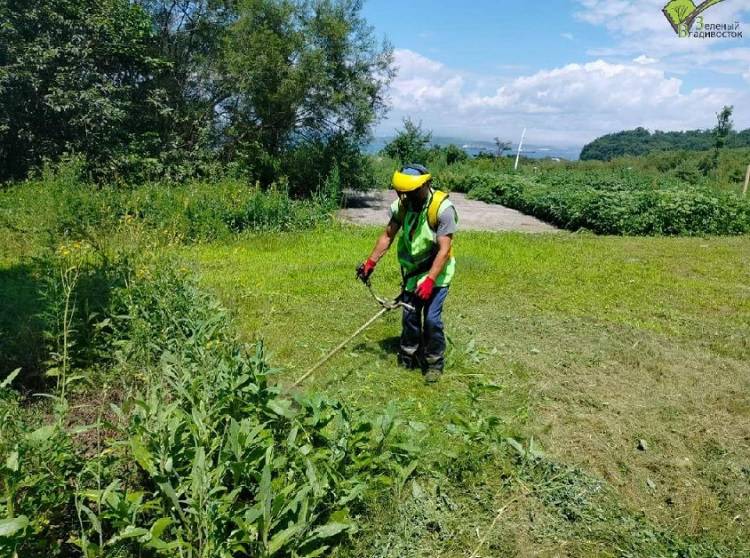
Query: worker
427	220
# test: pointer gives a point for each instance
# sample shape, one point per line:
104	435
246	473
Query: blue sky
567	70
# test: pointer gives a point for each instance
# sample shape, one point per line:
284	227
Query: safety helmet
410	177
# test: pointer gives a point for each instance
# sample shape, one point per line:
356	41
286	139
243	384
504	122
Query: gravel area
371	208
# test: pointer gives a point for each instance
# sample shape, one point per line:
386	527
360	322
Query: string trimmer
386	305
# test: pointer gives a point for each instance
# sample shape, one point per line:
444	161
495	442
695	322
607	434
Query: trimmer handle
389	304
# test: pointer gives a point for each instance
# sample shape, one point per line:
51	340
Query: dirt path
371	208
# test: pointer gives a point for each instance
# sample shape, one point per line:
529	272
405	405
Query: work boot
410	362
432	375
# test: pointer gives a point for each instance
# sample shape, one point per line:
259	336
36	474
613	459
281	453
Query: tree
75	76
176	86
720	132
191	35
723	126
502	146
640	141
301	73
410	144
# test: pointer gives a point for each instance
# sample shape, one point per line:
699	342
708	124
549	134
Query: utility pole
747	180
520	144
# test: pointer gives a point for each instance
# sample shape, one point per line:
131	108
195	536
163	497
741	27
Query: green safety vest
417	244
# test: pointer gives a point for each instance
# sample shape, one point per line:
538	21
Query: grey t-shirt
447	221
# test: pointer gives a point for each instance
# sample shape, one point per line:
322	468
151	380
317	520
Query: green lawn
590	344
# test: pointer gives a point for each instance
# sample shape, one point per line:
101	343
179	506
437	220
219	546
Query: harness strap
423	267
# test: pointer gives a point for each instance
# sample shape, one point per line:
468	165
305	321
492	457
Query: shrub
454	154
619	202
205	211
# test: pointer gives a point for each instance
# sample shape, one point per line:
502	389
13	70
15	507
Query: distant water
473	148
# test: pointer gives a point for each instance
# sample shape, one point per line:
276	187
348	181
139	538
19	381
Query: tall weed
204	456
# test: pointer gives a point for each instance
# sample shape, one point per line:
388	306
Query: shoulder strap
401	213
433	211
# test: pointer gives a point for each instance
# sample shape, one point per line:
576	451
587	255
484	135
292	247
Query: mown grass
589	344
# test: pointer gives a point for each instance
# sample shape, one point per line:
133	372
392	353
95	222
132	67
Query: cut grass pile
588	344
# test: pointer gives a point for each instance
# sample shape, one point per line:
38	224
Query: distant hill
640	142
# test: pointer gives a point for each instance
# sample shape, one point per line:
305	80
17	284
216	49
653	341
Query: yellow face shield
402	182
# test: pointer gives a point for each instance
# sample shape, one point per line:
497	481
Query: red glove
365	269
425	288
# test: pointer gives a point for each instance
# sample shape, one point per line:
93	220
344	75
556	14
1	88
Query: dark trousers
422	332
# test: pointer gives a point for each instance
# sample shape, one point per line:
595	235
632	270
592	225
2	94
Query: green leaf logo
681	14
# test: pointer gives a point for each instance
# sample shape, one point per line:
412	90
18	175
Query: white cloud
595	87
571	104
623	16
423	83
568	36
726	61
638	28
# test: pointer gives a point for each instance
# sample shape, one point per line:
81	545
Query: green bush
697	168
461	181
205	211
454	154
309	166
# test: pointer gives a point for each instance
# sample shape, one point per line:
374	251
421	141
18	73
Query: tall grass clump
60	204
205	211
186	447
